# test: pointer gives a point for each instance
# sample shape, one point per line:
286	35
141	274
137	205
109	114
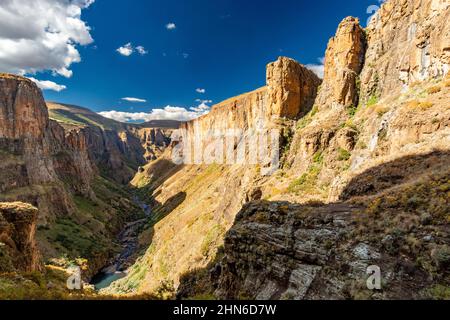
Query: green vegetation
343	155
307	182
76	239
318	157
303	122
373	100
211	238
352	110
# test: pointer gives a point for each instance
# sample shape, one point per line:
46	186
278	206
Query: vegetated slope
372	156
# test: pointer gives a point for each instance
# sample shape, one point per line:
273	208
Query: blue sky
221	46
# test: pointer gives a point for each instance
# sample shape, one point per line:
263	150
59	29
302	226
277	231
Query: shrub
307	182
381	110
433	90
414	104
344	155
352	110
373	100
318	157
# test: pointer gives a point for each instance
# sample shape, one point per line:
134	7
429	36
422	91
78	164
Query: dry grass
418	105
381	110
434	89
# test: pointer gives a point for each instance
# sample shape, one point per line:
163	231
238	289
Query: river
129	240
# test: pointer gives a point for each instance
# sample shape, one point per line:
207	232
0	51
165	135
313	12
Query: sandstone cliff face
380	155
408	42
18	250
344	60
291	88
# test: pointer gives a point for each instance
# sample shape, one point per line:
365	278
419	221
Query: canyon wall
372	155
193	205
357	171
116	149
37	153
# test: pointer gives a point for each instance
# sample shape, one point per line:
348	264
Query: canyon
363	179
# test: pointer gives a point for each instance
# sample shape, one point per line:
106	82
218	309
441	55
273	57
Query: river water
128	239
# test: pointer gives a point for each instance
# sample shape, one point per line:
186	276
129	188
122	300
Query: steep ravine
128	240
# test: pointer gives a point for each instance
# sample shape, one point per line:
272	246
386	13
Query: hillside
80	116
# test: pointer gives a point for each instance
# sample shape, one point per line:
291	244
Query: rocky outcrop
289	93
291	88
344	60
408	42
18	250
280	250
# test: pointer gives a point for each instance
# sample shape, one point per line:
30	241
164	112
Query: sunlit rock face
408	42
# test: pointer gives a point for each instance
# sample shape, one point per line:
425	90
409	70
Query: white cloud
48	85
204	101
42	35
200	90
141	50
171	26
167	113
129	99
202	108
126	50
318	69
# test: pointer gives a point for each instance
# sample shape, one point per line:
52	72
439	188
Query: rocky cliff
370	169
194	205
358	169
18	249
35	151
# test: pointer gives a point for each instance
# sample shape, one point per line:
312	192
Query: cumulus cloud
128	49
200	90
171	26
42	35
130	99
167	113
318	69
48	85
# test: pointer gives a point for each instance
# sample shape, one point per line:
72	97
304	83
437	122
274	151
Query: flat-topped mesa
344	60
292	88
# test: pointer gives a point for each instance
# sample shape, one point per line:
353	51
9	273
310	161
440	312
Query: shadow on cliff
154	175
412	181
396	172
